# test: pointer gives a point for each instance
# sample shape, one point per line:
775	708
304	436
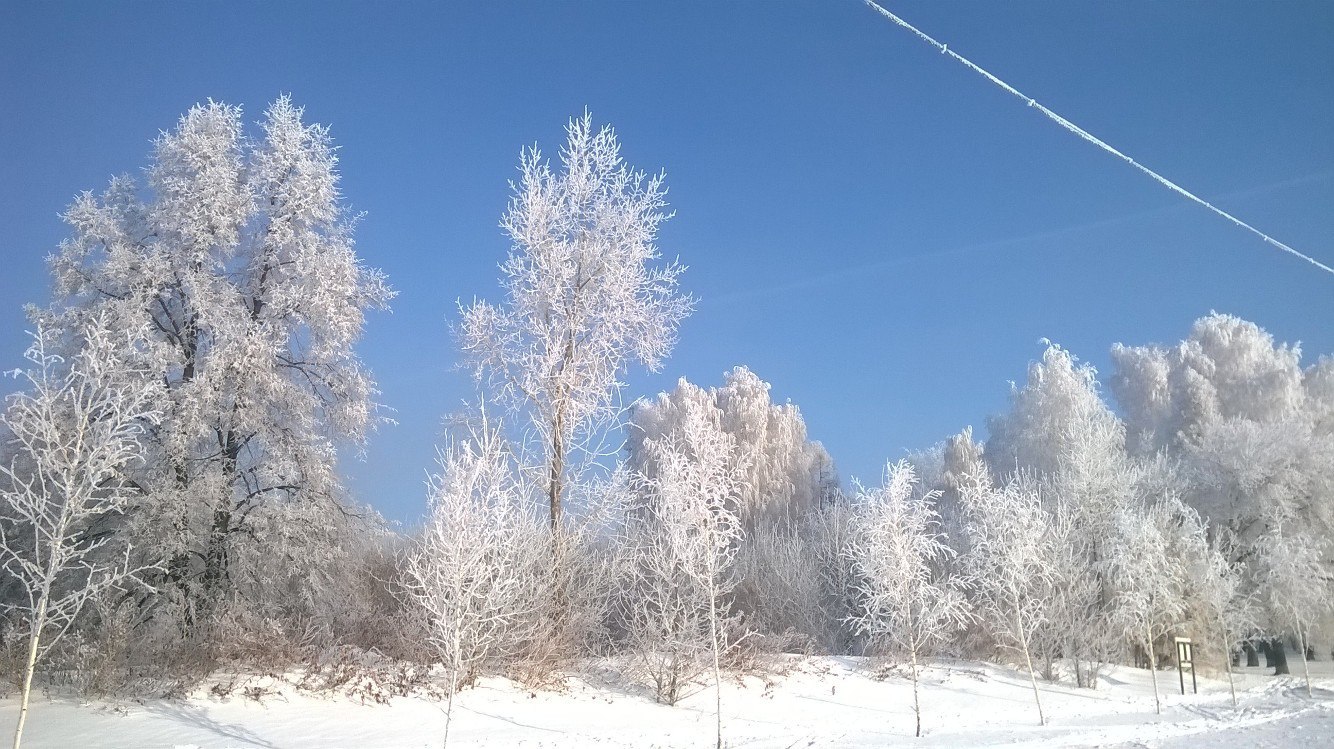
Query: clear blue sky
872	228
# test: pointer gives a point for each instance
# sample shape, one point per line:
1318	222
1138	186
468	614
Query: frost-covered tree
237	257
1058	407
1149	578
696	534
1008	566
962	466
896	553
479	573
1226	368
787	474
1249	425
76	430
584	299
1298	586
1060	433
1217	596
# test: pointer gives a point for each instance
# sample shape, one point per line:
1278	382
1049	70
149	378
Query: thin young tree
77	429
1007	564
584	299
693	495
1217	592
478	573
1148	597
897	553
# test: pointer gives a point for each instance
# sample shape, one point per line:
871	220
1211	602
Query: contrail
1086	135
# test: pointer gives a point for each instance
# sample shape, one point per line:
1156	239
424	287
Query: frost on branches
784	480
896	550
237	258
785	476
584	299
76	432
479	573
687	543
1007	565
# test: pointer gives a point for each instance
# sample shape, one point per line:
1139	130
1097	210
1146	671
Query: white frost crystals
76	431
237	260
583	300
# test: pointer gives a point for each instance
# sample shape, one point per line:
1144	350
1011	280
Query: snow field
815	702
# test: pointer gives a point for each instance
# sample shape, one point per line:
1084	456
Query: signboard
1186	662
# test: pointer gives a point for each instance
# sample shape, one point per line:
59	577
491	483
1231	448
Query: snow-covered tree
1298	587
787	475
961	466
479	573
1008	566
1077	620
77	429
691	498
906	603
1059	406
1217	596
1149	595
1226	368
584	299
238	259
1249	425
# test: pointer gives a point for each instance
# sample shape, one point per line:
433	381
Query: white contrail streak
1086	135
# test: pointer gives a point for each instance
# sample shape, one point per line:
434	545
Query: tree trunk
556	479
1028	660
916	703
1252	657
1279	656
33	640
1153	669
1227	662
717	669
1306	667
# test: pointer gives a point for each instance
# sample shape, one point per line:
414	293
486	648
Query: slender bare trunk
453	684
916	703
1227	660
1028	661
1306	667
39	623
27	689
1153	669
717	669
449	702
557	469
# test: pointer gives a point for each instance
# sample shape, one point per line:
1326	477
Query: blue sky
872	228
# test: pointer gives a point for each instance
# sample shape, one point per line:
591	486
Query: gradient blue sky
875	230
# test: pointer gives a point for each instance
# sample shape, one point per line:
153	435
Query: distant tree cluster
170	497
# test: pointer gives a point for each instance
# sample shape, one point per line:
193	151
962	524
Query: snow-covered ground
818	702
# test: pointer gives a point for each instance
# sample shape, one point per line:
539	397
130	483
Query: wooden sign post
1186	662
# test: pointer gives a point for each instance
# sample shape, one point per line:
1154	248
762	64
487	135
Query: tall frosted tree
237	256
1298	587
1148	578
585	298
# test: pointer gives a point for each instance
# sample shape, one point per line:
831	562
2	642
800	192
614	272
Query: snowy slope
819	702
